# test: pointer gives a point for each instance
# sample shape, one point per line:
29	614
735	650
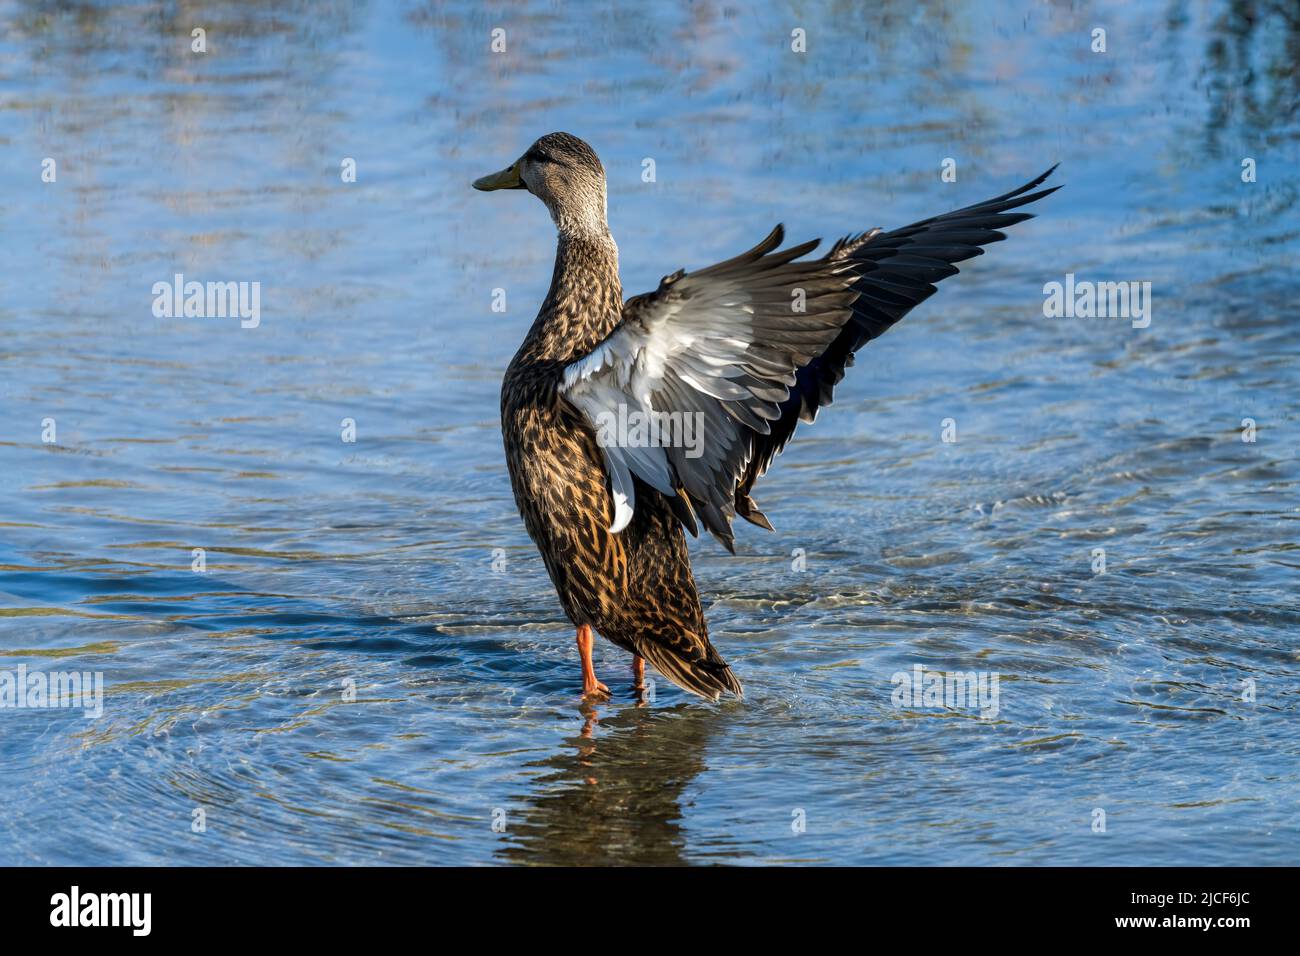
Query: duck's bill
506	179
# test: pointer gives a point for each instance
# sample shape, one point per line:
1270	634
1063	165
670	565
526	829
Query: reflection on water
367	663
616	798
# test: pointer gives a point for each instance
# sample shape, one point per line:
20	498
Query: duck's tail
692	664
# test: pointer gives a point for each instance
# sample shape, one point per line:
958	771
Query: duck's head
565	173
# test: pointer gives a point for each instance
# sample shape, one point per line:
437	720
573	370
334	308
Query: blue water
370	564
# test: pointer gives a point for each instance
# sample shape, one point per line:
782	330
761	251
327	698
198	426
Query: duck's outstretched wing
705	379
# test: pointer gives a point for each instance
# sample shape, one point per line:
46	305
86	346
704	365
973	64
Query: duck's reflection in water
615	797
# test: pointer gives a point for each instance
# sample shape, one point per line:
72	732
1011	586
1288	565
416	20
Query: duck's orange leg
590	686
638	678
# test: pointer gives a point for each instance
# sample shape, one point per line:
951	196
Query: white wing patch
711	357
610	386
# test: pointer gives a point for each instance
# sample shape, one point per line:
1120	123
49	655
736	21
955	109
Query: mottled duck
745	350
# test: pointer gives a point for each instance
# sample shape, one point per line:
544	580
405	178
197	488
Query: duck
724	362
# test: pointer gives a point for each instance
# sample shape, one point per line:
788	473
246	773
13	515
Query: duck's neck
584	304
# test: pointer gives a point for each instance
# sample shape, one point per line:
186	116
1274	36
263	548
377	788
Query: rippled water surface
369	565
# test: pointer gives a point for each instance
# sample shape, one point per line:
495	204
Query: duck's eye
537	156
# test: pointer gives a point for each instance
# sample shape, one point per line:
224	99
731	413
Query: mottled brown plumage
634	587
751	346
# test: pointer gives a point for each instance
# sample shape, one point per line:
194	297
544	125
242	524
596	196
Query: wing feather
703	382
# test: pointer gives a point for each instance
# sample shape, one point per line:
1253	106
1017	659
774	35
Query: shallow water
369	565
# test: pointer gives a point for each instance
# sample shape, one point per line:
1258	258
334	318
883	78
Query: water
369	564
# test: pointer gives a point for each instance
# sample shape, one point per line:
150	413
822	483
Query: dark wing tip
1036	181
1043	176
1034	197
